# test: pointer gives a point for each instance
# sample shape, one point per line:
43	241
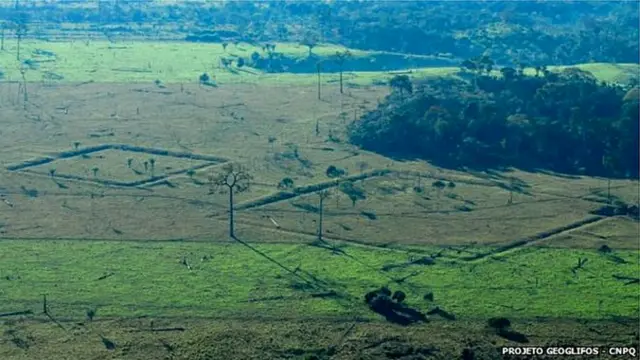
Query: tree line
534	32
567	121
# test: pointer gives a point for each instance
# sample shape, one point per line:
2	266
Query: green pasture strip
183	62
229	279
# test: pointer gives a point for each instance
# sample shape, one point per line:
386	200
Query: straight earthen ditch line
122	147
304	190
212	161
535	238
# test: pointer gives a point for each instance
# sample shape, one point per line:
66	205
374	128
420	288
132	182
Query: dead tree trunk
231	232
24	85
18	53
318	69
320	220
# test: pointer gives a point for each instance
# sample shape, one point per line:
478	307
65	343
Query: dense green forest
533	32
565	122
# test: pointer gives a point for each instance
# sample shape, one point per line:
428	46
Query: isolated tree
76	144
607	163
319	69
469	65
508	73
401	83
499	323
204	78
234	179
255	57
226	62
310	41
91	313
52	172
152	162
95	171
240	62
21	31
286	183
129	161
341	57
324	194
511	188
146	166
23	86
486	63
2	28
224	46
334	172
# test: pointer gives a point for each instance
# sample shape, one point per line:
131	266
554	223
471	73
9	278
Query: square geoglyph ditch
123	165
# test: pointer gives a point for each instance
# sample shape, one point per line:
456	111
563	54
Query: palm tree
341	57
324	194
152	162
233	179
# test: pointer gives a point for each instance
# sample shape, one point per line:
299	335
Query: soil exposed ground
197	339
135	244
276	138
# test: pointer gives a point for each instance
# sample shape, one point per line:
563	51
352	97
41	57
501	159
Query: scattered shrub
204	78
285	183
605	249
369	215
334	172
91	313
499	323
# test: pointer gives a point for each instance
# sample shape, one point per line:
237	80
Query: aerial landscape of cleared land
114	220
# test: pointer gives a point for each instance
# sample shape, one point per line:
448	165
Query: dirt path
535	238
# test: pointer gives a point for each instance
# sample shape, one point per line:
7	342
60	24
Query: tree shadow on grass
395	312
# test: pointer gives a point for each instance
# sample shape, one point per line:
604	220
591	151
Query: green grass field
232	280
180	62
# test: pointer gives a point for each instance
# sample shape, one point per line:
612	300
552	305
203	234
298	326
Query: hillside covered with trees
567	122
531	32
